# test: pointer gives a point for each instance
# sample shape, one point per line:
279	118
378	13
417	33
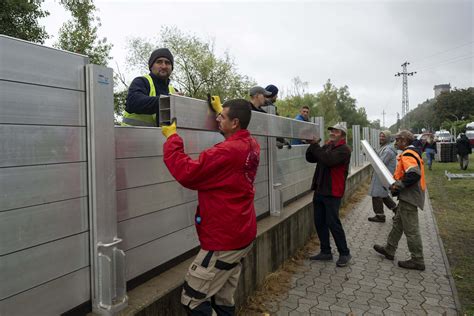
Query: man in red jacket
225	218
329	183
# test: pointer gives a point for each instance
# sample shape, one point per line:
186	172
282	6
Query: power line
442	52
448	61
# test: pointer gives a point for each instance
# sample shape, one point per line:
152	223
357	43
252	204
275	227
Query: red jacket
332	168
223	175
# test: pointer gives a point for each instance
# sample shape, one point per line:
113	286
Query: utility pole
383	118
405	106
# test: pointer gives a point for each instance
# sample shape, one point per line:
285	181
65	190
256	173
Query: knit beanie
273	89
160	52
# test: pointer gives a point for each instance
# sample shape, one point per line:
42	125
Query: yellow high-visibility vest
134	119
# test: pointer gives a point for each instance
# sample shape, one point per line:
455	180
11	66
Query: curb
445	258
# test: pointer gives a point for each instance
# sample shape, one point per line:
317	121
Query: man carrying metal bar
410	189
379	194
329	183
141	108
225	218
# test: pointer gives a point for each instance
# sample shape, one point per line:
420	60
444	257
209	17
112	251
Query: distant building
441	88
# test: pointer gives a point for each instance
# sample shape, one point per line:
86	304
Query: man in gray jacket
379	194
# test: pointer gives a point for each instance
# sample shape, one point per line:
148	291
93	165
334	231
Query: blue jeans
326	219
430	155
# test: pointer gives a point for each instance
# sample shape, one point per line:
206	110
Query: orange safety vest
405	161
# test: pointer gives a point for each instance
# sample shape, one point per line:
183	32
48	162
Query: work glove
396	188
215	103
168	130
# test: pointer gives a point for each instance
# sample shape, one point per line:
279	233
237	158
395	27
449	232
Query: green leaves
80	34
19	18
197	69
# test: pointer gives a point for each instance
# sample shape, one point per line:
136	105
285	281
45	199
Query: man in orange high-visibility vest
410	188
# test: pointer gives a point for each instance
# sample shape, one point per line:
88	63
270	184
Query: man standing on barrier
329	183
144	92
379	194
225	218
410	189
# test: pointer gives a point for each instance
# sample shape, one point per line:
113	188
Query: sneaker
343	260
322	257
377	218
410	264
381	250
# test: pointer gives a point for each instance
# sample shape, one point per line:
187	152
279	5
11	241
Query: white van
443	136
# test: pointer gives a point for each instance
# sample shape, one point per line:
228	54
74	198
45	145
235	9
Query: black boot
377	218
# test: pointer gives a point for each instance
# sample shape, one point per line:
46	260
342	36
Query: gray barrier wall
44	229
74	188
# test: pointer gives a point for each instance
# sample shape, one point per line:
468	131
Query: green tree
347	109
19	18
80	34
297	97
197	69
326	101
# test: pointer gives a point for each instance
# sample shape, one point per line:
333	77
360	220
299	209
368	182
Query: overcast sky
361	44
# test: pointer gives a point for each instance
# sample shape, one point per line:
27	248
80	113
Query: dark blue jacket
138	98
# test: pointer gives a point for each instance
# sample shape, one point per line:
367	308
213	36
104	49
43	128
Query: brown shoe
410	264
377	218
381	250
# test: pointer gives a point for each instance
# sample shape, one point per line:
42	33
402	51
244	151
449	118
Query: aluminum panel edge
196	114
380	169
108	285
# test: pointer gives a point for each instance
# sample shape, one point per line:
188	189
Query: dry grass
277	284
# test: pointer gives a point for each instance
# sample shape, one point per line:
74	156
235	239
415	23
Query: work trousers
406	221
326	219
378	202
211	282
463	161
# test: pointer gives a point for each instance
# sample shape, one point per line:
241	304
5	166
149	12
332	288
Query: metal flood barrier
85	206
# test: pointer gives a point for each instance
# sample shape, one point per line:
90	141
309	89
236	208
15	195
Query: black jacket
332	167
138	98
463	145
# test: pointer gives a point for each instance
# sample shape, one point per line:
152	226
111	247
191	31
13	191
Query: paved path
373	285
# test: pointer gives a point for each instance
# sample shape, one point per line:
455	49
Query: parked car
443	136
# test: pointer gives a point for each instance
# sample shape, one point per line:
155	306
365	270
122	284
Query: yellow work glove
215	103
168	130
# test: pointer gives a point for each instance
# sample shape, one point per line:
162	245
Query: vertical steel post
356	145
273	187
108	284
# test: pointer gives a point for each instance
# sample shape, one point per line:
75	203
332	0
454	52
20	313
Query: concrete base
278	238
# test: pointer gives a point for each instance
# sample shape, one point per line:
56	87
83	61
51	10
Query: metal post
319	120
356	145
273	187
108	284
366	136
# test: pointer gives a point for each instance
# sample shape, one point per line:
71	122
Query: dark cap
273	89
259	90
160	52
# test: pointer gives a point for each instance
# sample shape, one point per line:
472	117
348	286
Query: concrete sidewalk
371	284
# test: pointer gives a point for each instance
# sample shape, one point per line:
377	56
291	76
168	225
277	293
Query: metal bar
380	169
107	271
196	114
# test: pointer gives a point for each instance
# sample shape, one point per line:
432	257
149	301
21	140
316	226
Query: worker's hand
396	188
168	130
314	141
215	103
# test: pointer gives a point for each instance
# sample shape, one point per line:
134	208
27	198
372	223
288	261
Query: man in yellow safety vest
144	92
